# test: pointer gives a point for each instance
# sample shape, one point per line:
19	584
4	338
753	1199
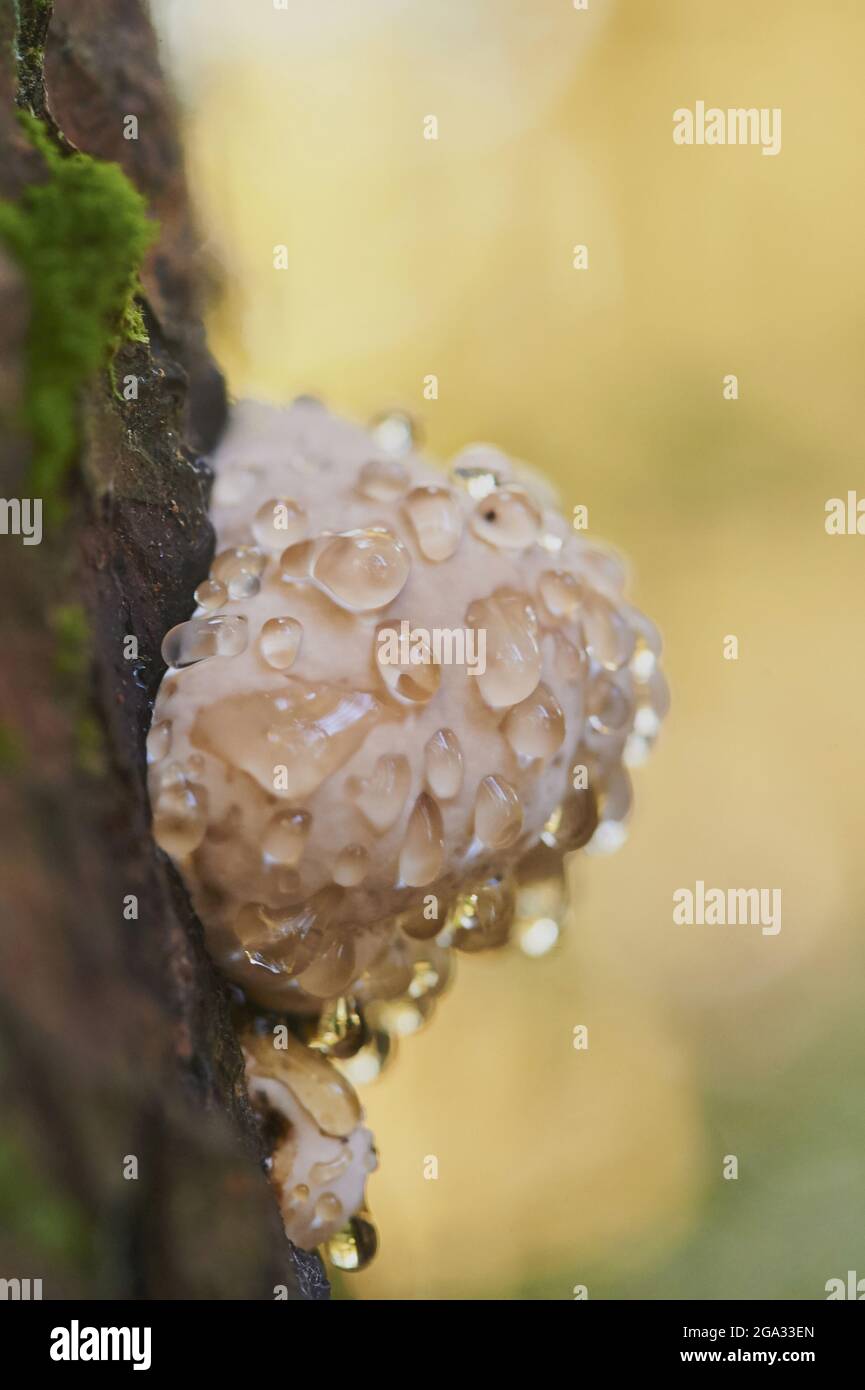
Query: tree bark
117	1049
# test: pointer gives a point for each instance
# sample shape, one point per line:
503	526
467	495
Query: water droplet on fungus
361	570
381	796
199	639
437	521
513	656
351	866
382	480
279	523
422	853
535	728
210	595
279	642
289	739
444	764
404	660
507	519
286	836
498	813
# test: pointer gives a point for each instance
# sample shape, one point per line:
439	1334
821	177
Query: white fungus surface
309	792
342	808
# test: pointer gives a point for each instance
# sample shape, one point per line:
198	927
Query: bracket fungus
347	814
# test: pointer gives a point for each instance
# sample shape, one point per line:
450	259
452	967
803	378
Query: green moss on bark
79	237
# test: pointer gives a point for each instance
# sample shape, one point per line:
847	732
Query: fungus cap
382	695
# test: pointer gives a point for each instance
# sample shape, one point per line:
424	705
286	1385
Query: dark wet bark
116	1040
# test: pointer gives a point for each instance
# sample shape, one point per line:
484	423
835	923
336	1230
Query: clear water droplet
179	816
286	941
537	936
159	741
642	664
560	594
647	725
171	775
240	569
610	640
431	972
280	887
535	728
288	739
418	927
513	656
480	469
477	480
403	1017
498	813
285	837
570	663
340	1032
368	1064
659	694
295	1201
648	636
244	586
481	917
437	520
361	570
637	747
351	867
608	705
332	971
211	595
382	480
616	794
279	523
381	796
422	853
507	519
609	837
279	642
354	1247
444	764
295	562
389	975
199	639
404	660
394	433
328	1208
572	824
602	568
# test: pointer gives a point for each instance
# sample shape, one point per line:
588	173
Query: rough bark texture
116	1038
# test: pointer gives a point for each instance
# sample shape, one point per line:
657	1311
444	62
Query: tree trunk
130	1161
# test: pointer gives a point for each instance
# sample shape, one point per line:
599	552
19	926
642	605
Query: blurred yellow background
408	257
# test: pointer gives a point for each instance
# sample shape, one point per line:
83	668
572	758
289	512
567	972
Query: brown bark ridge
117	1051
